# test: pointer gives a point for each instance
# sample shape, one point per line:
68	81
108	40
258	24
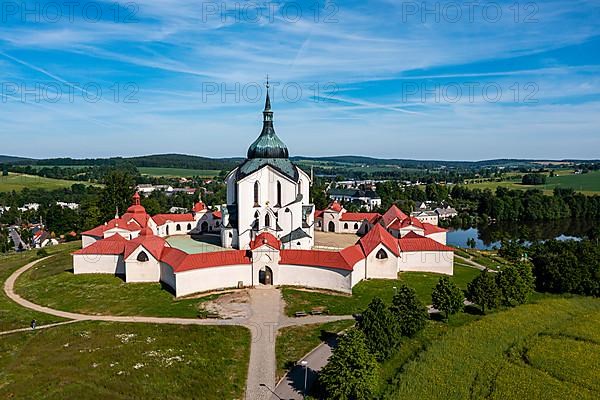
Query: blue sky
387	78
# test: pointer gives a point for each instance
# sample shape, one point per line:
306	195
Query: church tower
268	193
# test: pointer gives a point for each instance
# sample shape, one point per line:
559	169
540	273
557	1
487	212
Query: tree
512	286
117	192
447	297
483	291
409	311
380	328
351	373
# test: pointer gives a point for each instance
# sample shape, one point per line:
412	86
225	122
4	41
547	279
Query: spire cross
267	81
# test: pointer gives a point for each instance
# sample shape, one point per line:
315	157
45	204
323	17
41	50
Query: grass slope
52	284
365	291
19	182
549	349
13	316
178	172
94	360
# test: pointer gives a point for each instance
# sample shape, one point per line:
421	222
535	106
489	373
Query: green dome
268	145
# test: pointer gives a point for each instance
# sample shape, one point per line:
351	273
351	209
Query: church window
355	226
381	255
299	187
177	227
278	194
189	227
346	225
256	193
142	257
267	221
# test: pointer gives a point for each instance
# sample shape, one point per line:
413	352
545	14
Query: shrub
42	253
380	328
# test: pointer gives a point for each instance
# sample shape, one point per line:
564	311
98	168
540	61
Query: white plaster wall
439	237
358	272
315	277
205	279
98	264
88	240
138	271
440	262
167	276
404	231
329	216
381	269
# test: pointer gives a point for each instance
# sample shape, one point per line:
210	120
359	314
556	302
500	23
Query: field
94	360
545	350
11	315
365	291
19	182
295	342
178	172
585	183
52	283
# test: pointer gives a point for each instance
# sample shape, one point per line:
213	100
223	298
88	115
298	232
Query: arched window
346	225
256	194
299	187
267	221
177	227
381	255
356	226
278	194
142	257
230	235
189	227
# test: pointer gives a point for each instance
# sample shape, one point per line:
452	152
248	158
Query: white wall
314	277
138	271
382	269
88	240
358	272
440	262
439	237
205	279
167	276
98	264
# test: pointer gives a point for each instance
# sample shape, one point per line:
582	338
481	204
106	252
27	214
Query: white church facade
267	237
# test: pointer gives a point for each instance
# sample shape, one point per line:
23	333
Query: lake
488	236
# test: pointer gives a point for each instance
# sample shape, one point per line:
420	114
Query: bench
319	311
300	314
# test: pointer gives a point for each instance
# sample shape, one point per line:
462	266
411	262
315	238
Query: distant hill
196	162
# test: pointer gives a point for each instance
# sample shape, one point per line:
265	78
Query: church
267	236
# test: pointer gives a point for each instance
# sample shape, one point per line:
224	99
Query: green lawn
295	342
178	172
365	291
52	284
92	360
19	182
13	316
549	349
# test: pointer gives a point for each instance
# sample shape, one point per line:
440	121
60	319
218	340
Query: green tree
380	328
351	373
447	297
117	193
512	286
409	311
483	291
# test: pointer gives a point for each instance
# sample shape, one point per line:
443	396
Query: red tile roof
335	206
181	261
319	214
378	235
112	245
393	213
217	215
319	258
430	228
120	223
154	244
411	221
415	242
199	206
162	219
352	216
265	238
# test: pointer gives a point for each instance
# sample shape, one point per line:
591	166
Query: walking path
473	263
266	317
38	327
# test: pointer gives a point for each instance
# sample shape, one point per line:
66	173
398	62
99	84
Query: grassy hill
586	183
19	182
546	350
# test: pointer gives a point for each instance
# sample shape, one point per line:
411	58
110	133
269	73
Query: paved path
473	263
266	317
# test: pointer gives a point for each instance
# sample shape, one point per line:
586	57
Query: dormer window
381	254
142	257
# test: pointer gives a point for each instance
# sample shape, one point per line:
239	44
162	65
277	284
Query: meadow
101	360
52	283
546	349
178	172
585	183
365	291
13	316
18	182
